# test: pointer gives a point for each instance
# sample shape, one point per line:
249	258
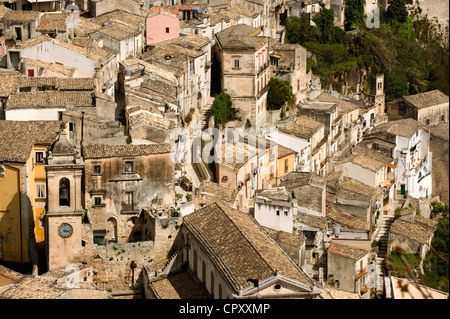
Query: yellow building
281	160
23	151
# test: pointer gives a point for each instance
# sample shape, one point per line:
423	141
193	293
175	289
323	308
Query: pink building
160	26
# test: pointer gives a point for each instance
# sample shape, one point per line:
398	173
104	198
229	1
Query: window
129	198
285	213
39	157
313	8
96	169
195	262
40	191
236	64
72	127
278	213
167	30
31	73
286	166
212	284
129	166
64	192
97	200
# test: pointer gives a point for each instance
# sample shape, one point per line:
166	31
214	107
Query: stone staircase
204	117
382	238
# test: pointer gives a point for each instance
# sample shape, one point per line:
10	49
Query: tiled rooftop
410	230
105	151
50	99
427	99
303	127
367	158
239	247
241	36
183	285
346	220
8	83
50	22
226	194
63	84
406	127
18	137
347	251
118	31
53	67
21	16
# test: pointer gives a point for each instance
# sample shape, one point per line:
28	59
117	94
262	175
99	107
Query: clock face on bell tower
65	230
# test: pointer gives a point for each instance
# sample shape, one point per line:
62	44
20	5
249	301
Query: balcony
364	289
129	209
336	136
263	67
362	272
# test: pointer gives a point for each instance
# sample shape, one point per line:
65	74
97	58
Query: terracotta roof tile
347	251
23	16
18	137
50	22
184	285
410	230
239	246
303	127
105	151
50	99
427	99
8	83
346	220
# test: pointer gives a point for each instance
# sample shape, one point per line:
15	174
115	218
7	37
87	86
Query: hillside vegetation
404	48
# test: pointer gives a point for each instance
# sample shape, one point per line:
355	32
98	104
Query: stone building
58	25
21	25
412	237
288	63
74	282
211	235
243	56
349	269
121	181
428	108
188	58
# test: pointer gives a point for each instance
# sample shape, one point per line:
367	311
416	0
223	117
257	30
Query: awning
99	232
392	166
276	56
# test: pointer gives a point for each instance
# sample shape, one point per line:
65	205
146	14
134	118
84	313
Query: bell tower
64	197
379	94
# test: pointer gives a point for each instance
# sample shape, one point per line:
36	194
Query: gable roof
347	251
405	127
18	137
50	99
427	99
240	248
105	151
303	127
51	22
241	36
21	16
183	285
410	230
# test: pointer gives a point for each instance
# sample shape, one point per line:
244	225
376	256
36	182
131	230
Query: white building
410	149
274	209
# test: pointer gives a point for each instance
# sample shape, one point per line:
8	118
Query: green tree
280	93
299	30
325	23
222	109
354	13
396	12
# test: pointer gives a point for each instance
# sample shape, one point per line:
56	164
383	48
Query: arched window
212	284
64	192
220	291
203	271
195	262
